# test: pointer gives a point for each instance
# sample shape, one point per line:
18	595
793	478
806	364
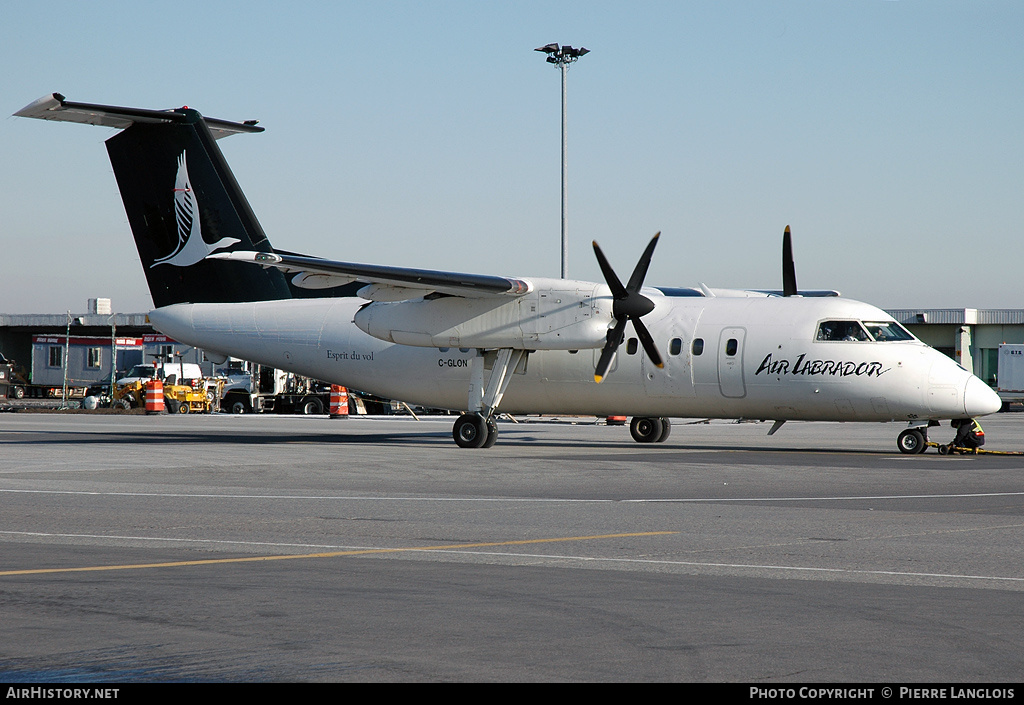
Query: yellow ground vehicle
201	397
130	395
185	399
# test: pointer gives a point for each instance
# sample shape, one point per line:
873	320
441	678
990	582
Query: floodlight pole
564	67
562	57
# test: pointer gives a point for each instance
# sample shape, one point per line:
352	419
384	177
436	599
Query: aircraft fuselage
756	357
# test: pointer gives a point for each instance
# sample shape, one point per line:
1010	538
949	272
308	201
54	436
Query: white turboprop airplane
530	345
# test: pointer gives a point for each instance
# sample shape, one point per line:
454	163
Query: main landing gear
476	428
474	431
645	429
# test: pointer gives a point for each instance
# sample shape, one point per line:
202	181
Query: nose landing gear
913	440
969	439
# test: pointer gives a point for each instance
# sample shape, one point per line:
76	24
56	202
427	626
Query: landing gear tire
911	442
666	430
646	430
470	431
492	434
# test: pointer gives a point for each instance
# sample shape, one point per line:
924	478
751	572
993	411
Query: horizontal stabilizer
418	281
56	107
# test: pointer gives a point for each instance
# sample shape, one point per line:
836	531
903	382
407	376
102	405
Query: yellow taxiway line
330	554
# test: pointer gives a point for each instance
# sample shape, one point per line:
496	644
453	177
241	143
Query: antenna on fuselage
788	266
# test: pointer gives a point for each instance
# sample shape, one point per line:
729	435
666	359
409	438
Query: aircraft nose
980	399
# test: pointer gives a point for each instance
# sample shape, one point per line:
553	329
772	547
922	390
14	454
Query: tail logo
191	247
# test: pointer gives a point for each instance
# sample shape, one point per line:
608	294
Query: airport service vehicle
549	345
161	371
252	388
1010	374
196	398
11	384
130	391
14	386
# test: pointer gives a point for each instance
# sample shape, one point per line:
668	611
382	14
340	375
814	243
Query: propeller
788	266
628	304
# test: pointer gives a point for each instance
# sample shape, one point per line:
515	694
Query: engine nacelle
556	315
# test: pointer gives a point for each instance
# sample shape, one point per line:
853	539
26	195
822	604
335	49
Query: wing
382	283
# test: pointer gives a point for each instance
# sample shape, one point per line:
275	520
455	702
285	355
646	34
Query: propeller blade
628	304
618	291
612	344
640	271
648	342
788	266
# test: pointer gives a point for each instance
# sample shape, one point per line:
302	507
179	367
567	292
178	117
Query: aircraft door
730	363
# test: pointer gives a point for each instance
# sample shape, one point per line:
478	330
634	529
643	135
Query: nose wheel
912	441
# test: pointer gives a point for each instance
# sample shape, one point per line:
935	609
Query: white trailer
1010	374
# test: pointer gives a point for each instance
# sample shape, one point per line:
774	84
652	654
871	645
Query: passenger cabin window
631	347
731	346
675	346
842	330
698	346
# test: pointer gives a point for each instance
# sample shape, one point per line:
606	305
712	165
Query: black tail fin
182	201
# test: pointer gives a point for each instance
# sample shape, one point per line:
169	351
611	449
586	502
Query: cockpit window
842	330
887	331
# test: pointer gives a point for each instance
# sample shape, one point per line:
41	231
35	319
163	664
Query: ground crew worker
968	434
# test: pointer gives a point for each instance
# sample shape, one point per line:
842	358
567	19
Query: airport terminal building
971	336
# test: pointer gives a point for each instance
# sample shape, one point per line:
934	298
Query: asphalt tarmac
243	548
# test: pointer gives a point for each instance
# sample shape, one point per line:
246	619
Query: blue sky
426	134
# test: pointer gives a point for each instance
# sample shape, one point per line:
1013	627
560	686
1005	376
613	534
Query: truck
14	384
10	386
1010	374
253	388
